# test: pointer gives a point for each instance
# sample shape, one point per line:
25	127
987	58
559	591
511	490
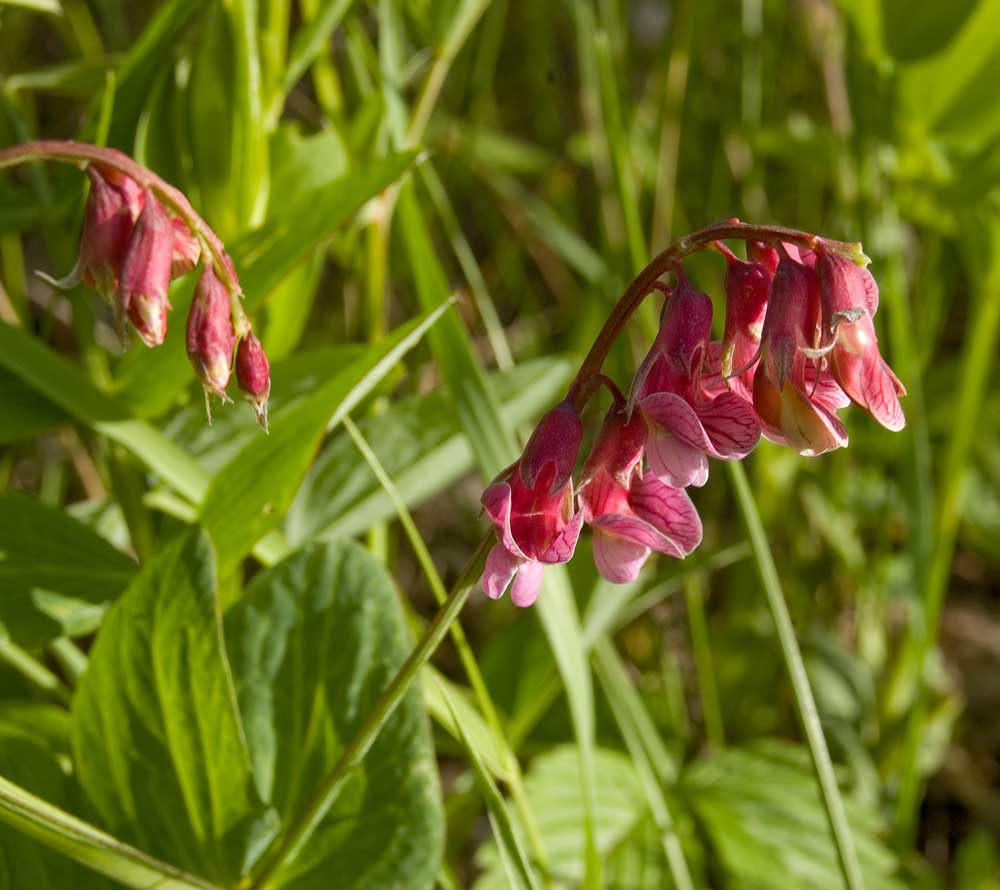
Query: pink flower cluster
798	344
131	248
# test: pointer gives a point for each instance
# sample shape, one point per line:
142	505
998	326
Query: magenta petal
637	531
668	510
879	388
826	392
496	501
618	559
674	462
527	583
731	425
834	433
499	571
562	548
669	411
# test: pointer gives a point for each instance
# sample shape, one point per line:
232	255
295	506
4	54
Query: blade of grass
36	673
805	704
694	597
93	848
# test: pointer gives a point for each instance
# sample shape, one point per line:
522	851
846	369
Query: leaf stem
804	702
34	671
292	842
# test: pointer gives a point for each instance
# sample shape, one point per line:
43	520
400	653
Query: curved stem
585	384
81	154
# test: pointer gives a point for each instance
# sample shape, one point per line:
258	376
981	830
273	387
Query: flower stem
291	843
804	702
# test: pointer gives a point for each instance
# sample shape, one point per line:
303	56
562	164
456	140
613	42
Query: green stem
694	596
804	702
329	789
34	671
70	657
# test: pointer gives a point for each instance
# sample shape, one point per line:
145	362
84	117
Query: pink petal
618	559
496	501
499	571
674	462
731	426
669	411
826	392
562	548
879	388
639	532
812	428
526	583
668	510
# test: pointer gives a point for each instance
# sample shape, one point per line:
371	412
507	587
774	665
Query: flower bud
146	272
187	250
210	334
748	286
553	447
253	373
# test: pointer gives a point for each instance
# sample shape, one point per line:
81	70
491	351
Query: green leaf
249	495
55	572
158	742
421	445
24	413
313	643
761	811
312	39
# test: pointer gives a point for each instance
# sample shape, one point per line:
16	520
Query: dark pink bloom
253	374
632	514
849	298
691	415
747	288
795	402
211	338
187	250
146	272
534	520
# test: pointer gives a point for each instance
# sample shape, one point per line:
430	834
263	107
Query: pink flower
146	272
211	338
632	514
253	374
795	402
849	297
690	414
531	507
747	288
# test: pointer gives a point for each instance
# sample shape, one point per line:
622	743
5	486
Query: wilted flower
146	272
253	374
849	298
794	401
691	416
211	337
748	285
531	507
631	513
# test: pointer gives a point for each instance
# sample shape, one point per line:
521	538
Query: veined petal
496	501
811	428
730	425
668	510
618	559
563	547
675	462
499	571
527	582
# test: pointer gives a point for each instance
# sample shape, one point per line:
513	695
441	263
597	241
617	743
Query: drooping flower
748	285
187	250
849	297
531	508
146	272
690	414
632	513
795	401
253	374
211	337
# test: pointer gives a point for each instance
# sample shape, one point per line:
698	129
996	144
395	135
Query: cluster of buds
139	234
798	345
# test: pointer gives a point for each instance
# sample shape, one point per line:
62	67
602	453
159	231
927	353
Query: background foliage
172	699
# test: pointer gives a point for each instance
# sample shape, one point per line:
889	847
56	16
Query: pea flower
748	285
690	413
531	508
849	298
146	272
253	374
631	513
211	337
794	401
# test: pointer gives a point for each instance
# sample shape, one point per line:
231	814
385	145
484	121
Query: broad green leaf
761	812
313	643
24	413
153	379
55	573
158	742
24	862
249	496
421	445
912	31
